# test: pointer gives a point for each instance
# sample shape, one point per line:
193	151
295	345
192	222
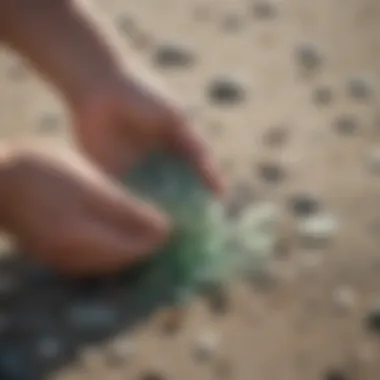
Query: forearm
62	40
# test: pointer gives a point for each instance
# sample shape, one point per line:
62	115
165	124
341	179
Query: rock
206	346
226	90
335	374
121	351
217	297
241	196
322	95
152	375
346	124
232	22
372	320
265	9
92	318
343	298
49	348
304	205
360	88
172	320
309	56
174	55
271	172
276	136
317	231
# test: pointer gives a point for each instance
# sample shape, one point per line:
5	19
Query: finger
97	249
191	145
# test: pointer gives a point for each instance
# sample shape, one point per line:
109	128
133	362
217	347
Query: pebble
225	90
153	375
335	374
264	9
316	231
172	319
346	124
174	55
360	88
241	195
372	319
322	95
271	172
276	136
343	298
92	317
49	348
121	351
217	298
232	22
206	346
304	205
309	56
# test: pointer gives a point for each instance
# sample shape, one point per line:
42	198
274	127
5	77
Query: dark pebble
276	136
226	91
322	96
170	55
152	375
304	205
264	9
232	22
346	124
309	56
335	374
372	320
360	88
271	173
217	298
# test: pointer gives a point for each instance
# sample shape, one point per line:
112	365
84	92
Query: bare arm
63	40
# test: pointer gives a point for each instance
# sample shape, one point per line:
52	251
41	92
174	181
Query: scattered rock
271	172
335	374
172	319
309	56
372	319
206	346
121	351
226	90
153	375
217	298
317	231
343	298
304	205
265	9
322	95
232	22
360	88
276	136
346	124
173	55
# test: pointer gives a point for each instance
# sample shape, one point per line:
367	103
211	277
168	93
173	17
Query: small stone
346	124
121	351
171	54
172	320
217	298
372	319
304	205
241	196
316	231
309	56
232	22
226	90
335	374
49	348
343	298
360	88
322	95
206	346
271	173
276	136
153	375
265	9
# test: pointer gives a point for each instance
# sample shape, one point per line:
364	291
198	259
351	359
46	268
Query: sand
312	321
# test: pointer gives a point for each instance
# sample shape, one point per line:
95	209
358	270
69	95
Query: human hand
125	119
71	217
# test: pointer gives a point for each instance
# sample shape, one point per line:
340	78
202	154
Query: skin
70	212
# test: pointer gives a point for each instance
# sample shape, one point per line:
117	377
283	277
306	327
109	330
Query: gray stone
232	22
271	172
361	88
226	90
303	204
346	124
206	346
318	230
322	96
309	56
174	55
265	9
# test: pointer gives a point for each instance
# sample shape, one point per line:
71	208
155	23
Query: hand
72	218
124	119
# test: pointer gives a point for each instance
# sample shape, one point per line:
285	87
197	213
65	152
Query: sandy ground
304	327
